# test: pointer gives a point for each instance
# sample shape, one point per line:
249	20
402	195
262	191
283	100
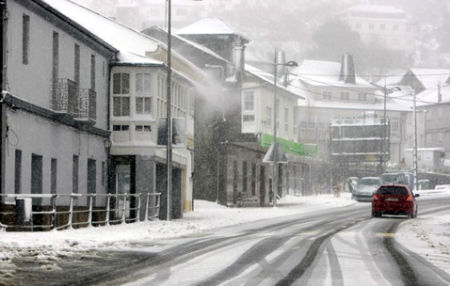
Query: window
36	177
25	39
253	179
395	27
358	26
121	106
55	60
248	117
294	129
103	173
382	27
371	26
345	96
249	101
143	128
121	83
286	119
17	171
269	115
326	95
143	105
121	127
362	96
75	174
91	176
244	176
93	72
248	112
143	83
77	64
53	175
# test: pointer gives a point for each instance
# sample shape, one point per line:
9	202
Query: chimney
239	59
347	73
439	93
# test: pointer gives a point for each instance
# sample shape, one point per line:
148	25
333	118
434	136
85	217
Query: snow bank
428	236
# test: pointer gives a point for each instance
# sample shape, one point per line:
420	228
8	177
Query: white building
54	105
333	91
386	26
137	96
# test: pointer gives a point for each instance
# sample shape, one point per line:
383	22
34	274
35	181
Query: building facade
54	105
385	26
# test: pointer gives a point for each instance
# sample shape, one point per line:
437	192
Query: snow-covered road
305	241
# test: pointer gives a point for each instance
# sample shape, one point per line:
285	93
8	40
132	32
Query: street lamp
169	107
275	143
416	181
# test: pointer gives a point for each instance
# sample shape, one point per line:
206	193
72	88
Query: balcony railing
87	105
65	97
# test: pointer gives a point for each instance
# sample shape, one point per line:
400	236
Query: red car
394	199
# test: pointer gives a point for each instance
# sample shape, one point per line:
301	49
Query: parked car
401	178
395	200
365	188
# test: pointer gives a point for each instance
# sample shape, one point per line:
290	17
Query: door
262	185
122	187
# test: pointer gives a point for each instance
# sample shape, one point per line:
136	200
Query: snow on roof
430	96
206	26
393	103
325	73
431	78
132	45
378	9
268	77
193	44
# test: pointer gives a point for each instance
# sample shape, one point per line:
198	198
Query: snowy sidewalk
45	248
429	235
206	216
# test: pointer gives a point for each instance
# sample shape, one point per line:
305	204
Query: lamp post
169	110
415	163
275	143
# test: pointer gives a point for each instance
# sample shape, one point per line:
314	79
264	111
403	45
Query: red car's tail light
409	198
375	197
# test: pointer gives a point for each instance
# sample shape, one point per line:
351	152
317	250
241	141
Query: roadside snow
44	248
428	236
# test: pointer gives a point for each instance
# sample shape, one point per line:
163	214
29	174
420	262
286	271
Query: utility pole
383	159
416	181
169	110
3	33
275	147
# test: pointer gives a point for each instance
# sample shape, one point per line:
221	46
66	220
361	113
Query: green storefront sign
289	146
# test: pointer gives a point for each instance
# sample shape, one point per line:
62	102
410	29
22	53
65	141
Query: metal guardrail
115	212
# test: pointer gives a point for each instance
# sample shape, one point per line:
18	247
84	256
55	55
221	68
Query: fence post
53	202
158	200
124	209
70	212
146	207
90	211
138	215
108	199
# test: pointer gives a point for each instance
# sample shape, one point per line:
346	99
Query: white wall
33	82
35	135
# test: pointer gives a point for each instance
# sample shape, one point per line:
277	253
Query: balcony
65	97
87	106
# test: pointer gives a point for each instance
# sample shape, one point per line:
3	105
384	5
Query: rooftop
132	50
325	73
206	26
